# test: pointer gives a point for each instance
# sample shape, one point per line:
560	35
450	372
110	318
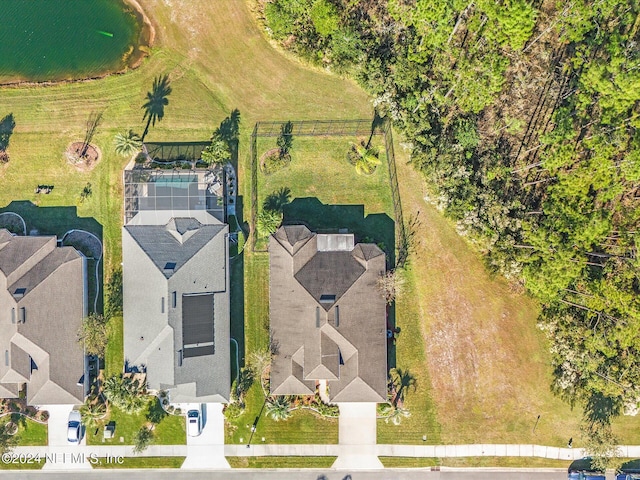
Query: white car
74	427
194	423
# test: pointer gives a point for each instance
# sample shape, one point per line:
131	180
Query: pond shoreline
146	40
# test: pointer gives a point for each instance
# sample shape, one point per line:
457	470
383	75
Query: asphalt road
396	474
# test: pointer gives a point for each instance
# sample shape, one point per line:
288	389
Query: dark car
583	470
629	470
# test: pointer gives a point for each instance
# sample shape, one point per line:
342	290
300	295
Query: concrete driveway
57	425
59	446
357	437
207	449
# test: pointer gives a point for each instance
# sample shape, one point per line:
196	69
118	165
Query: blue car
582	470
629	470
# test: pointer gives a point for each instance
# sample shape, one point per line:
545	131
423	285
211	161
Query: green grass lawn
303	426
144	462
170	430
328	194
509	462
281	462
22	466
114	355
30	433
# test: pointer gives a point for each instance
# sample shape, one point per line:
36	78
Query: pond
52	40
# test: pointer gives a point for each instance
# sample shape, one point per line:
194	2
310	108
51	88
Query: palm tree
285	139
127	143
278	408
268	222
156	101
396	414
366	158
92	412
126	394
402	379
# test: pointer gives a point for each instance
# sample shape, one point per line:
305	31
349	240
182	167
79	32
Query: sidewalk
318	450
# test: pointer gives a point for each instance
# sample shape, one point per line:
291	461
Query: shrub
274	162
217	152
324	17
126	394
233	410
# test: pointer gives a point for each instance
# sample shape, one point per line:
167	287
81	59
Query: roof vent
169	266
19	293
327	298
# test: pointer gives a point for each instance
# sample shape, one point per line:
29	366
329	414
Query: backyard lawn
326	191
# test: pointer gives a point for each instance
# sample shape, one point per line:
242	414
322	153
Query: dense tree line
524	117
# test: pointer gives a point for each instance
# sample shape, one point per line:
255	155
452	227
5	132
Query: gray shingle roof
329	273
43	351
176	321
341	340
177	242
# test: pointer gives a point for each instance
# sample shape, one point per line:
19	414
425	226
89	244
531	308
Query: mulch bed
88	162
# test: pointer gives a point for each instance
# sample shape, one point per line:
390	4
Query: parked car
583	470
74	427
194	423
629	470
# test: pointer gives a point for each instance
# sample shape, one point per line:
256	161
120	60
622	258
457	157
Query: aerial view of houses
370	239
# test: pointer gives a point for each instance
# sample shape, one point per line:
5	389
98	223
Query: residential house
43	300
176	287
327	316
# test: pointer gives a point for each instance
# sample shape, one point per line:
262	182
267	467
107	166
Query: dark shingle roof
329	273
307	286
175	242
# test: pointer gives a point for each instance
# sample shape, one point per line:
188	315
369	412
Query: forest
523	117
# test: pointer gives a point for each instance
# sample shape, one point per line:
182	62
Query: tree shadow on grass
373	228
7	125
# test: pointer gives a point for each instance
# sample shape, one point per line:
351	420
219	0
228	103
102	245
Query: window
6	357
337	316
326	298
162	306
317	317
22	317
174	299
13	315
